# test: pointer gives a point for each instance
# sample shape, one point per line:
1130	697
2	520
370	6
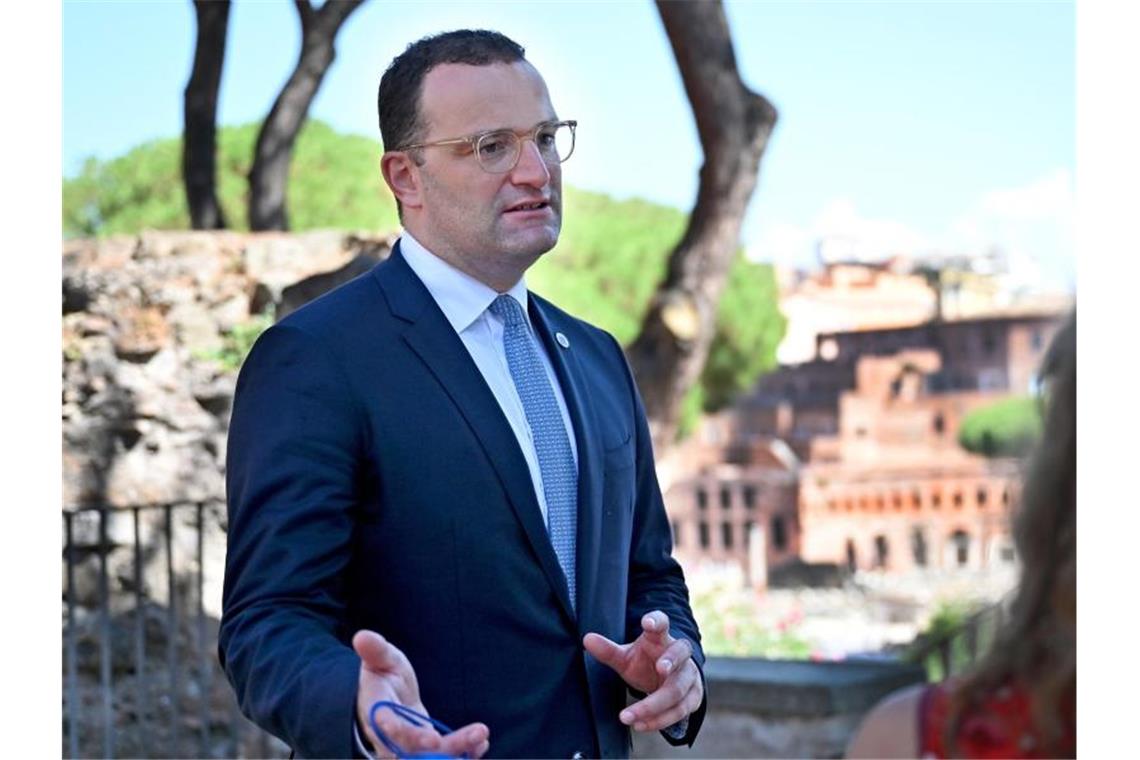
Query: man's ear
403	178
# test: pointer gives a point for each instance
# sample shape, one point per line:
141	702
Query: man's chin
532	242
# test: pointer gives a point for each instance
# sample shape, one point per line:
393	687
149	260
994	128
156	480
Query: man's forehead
476	98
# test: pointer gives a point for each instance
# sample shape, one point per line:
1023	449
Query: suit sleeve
656	581
292	463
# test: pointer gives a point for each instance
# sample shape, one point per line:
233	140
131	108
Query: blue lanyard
416	719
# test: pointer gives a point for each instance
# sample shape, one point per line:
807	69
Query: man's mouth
528	206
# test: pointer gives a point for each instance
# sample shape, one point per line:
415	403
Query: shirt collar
460	297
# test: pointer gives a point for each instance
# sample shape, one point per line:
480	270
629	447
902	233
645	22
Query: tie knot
509	310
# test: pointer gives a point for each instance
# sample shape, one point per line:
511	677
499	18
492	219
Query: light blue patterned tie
555	458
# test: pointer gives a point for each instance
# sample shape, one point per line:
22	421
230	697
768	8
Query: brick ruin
851	458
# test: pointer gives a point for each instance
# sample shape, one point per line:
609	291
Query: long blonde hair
1037	646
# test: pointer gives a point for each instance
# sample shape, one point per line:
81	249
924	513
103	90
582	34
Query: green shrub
334	181
236	343
1003	429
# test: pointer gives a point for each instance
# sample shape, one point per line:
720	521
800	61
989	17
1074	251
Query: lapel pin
562	340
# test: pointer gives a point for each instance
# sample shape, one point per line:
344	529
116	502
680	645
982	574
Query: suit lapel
431	337
571	376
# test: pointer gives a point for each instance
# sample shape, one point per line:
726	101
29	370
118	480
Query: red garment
1001	727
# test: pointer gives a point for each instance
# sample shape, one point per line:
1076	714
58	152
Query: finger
674	656
468	740
689	702
670	693
656	625
377	653
662	720
407	736
604	651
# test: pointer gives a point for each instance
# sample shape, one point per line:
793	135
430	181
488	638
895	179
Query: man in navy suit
441	487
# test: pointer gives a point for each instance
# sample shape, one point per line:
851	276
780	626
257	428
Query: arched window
960	545
779	533
882	551
918	546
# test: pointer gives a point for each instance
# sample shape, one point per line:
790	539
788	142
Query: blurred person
1020	699
441	487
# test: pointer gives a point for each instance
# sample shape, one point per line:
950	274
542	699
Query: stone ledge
802	689
783	708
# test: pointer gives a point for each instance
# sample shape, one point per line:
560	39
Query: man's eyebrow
538	123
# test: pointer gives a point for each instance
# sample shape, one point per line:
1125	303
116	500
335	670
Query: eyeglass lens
499	151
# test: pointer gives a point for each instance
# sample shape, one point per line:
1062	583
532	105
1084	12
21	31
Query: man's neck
501	281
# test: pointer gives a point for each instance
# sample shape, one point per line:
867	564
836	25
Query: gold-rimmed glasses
498	150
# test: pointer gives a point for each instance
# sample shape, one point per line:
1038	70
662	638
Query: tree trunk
200	108
734	124
269	176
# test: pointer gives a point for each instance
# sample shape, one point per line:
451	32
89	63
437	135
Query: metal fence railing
141	675
955	651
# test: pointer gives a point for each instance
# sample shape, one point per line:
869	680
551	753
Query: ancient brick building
852	457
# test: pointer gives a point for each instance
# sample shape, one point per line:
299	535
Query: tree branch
734	124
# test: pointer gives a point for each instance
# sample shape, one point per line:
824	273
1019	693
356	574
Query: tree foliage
334	182
1006	428
611	256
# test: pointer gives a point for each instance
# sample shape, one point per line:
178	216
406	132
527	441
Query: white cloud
785	244
1050	197
1031	226
839	231
861	237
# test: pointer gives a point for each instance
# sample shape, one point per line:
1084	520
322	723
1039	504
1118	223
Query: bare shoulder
891	728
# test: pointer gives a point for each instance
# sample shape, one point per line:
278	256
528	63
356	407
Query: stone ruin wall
149	369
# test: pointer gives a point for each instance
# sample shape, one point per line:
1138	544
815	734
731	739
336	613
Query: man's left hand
657	664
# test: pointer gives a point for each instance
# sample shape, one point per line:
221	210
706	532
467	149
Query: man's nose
531	168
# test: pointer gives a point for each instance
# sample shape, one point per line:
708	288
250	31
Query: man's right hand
386	674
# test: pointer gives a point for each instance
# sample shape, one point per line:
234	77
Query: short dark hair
398	99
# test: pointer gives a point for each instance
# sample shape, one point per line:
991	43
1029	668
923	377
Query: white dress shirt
465	301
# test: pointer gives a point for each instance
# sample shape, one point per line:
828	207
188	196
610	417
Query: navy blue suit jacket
374	482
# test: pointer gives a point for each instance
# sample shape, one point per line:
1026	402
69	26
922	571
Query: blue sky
911	127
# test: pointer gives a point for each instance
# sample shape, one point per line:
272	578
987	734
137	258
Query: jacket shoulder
347	303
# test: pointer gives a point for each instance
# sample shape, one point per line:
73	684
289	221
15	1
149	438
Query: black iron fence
954	651
141	675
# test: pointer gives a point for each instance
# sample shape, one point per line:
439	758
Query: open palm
387	675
